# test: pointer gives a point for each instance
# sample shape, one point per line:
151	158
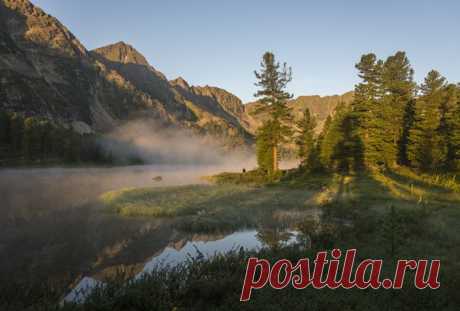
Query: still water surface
178	253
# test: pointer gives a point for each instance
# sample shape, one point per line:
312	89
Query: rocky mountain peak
181	83
29	27
122	52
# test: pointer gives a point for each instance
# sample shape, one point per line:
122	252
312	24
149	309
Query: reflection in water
171	257
275	238
81	291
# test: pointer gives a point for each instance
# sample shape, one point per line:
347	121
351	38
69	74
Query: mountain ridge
46	71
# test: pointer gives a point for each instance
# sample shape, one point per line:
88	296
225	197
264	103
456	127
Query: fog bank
144	141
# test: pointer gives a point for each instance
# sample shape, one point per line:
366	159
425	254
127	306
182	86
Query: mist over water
145	141
178	157
50	188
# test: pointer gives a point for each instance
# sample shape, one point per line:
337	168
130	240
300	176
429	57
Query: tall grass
215	284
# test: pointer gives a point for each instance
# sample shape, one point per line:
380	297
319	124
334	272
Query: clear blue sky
220	42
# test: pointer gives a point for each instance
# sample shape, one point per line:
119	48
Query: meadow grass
169	201
239	200
206	208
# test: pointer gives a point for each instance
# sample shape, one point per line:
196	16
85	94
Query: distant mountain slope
319	106
207	110
214	100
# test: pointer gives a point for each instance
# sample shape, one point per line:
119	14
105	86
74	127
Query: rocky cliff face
214	100
46	71
123	59
41	63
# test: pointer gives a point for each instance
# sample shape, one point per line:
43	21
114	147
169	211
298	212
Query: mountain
215	100
46	71
207	110
320	106
126	61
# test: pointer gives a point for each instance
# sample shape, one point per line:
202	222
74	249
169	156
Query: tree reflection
273	237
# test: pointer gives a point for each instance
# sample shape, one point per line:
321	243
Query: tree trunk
275	159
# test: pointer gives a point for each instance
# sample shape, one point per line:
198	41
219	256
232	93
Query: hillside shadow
415	182
396	187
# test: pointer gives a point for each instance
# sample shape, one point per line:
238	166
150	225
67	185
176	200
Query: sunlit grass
169	201
405	184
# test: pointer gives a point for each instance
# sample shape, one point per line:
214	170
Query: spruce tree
306	140
367	108
380	108
272	81
332	137
349	151
447	127
398	92
450	126
427	148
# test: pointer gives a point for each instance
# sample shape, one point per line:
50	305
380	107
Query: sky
220	43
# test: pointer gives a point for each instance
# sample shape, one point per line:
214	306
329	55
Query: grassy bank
205	208
170	201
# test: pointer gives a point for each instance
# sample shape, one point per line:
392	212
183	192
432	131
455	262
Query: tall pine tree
398	92
272	81
367	108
